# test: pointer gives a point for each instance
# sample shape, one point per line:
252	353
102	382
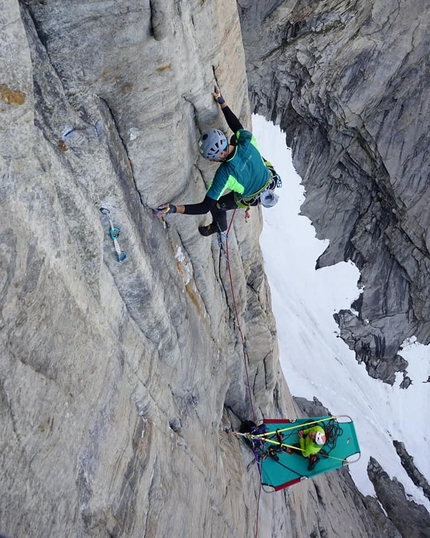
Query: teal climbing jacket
244	172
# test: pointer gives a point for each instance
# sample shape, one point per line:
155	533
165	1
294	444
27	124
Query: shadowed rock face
391	495
414	473
117	381
347	82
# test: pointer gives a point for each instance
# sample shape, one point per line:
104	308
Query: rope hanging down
236	314
245	351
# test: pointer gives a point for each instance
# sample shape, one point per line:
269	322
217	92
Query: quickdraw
113	234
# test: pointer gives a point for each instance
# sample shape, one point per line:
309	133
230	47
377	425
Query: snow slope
315	361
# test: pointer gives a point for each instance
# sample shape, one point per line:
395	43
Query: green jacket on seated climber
311	440
243	171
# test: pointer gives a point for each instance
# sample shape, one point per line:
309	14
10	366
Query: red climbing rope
245	352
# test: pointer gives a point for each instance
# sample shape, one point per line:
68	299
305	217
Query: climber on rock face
310	444
243	171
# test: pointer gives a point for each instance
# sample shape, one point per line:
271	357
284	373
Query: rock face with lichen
347	81
119	382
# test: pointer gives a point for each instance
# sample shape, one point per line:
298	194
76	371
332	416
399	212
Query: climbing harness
275	176
113	234
266	195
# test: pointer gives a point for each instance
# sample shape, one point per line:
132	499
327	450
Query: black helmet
212	143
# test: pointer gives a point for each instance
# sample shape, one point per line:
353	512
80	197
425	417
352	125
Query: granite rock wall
119	382
347	83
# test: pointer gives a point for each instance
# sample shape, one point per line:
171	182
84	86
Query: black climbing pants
226	202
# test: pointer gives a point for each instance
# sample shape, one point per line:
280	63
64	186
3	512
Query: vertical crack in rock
124	146
126	508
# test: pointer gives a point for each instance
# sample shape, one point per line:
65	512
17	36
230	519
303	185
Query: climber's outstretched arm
190	209
230	117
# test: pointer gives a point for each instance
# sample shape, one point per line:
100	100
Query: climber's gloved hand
165	209
217	95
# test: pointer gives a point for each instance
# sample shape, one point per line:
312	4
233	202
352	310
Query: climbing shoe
272	453
313	460
209	230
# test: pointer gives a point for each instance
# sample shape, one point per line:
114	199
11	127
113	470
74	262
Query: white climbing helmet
319	438
212	143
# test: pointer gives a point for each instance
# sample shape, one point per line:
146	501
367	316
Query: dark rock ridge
347	82
414	473
410	518
405	518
